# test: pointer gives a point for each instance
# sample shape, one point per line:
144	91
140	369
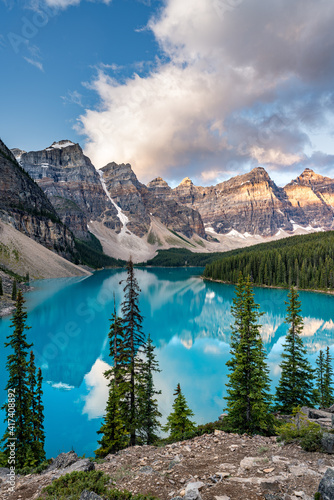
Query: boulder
83	465
3	472
326	486
194	486
327	442
315	414
89	495
192	495
63	460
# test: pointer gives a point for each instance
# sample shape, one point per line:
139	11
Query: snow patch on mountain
122	217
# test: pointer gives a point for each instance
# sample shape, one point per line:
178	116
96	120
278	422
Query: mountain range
56	195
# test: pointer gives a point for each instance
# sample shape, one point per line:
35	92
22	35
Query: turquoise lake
189	321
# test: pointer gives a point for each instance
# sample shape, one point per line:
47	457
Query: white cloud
272	156
311	326
35	63
220	61
73	98
61	385
63	4
97	384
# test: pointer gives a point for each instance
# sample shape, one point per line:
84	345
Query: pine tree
37	439
320	362
328	380
295	386
178	422
248	399
134	341
14	290
18	383
32	418
149	412
114	433
39	427
1	289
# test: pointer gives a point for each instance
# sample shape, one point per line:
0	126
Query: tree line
307	262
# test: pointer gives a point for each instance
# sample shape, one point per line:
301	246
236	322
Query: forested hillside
304	261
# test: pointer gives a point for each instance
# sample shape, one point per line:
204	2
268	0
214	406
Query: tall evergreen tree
39	427
36	452
319	372
114	434
295	387
32	418
113	430
14	290
18	383
248	397
148	404
328	380
134	340
178	422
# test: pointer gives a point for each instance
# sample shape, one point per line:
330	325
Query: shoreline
275	287
7	306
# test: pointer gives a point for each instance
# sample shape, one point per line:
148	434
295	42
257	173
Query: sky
207	89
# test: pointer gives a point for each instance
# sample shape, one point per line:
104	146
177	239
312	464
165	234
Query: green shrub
301	431
34	470
70	487
208	428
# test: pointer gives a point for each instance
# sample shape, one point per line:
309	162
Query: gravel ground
225	466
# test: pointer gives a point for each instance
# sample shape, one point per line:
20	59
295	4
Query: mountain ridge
213	218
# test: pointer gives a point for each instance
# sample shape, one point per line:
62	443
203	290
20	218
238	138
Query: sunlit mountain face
189	321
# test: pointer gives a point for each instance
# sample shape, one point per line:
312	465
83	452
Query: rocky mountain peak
158	182
159	187
120	175
186	182
71	183
17	153
24	206
309	177
259	173
62	144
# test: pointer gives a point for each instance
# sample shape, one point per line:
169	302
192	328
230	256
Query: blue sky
200	88
44	90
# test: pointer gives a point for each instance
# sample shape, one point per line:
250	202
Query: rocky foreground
218	466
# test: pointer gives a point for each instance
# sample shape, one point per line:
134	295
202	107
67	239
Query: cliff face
70	182
313	197
249	203
252	203
25	207
140	203
74	187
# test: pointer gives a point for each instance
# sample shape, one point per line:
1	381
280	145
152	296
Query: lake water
189	321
